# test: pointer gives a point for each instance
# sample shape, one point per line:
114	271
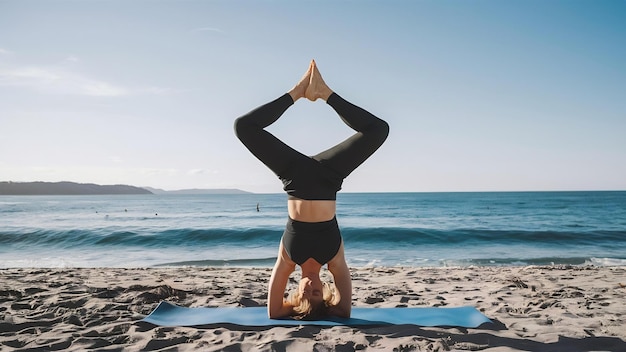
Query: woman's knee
242	127
380	131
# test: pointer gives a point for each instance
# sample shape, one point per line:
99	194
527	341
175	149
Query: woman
311	238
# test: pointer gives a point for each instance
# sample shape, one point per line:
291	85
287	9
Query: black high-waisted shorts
318	240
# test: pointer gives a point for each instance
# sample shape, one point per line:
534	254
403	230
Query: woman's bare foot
299	90
317	87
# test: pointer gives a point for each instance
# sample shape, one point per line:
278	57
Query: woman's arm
277	307
341	275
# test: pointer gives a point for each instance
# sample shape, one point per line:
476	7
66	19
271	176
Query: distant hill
66	188
198	191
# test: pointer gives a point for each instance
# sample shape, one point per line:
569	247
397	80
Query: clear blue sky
480	95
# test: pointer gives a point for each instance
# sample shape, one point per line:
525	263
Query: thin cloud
61	81
101	89
116	159
200	172
5	52
72	58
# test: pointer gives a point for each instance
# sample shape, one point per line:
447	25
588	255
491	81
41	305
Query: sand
532	308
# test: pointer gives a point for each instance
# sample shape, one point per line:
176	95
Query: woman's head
312	299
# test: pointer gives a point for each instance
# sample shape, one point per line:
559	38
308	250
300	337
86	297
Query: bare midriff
311	210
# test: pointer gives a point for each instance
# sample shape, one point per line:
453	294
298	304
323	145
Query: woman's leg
250	129
371	131
346	156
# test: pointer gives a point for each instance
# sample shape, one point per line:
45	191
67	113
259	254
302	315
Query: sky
483	95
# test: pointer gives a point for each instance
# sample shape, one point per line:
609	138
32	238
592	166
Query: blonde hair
303	309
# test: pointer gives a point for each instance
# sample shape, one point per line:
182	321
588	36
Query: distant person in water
312	237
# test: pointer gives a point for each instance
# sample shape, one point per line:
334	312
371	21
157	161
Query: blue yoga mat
168	314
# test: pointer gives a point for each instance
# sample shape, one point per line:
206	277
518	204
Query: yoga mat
168	314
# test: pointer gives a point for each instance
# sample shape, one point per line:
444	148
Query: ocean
379	229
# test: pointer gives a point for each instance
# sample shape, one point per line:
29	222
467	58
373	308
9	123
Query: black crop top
309	179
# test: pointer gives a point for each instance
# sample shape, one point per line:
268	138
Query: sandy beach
532	308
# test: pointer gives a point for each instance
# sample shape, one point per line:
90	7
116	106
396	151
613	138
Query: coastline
534	308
